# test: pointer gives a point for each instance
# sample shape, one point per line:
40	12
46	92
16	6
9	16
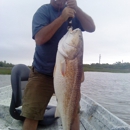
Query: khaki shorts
37	95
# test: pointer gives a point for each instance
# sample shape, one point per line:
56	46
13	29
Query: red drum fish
68	75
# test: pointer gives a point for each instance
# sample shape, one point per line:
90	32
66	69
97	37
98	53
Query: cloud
111	38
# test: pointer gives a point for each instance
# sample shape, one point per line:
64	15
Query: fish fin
63	67
57	114
82	78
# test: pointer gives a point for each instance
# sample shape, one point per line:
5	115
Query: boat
93	116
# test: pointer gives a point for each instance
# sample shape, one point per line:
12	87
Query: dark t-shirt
45	55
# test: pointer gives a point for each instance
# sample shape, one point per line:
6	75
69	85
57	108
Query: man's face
59	4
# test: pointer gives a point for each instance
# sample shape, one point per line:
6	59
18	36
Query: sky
111	39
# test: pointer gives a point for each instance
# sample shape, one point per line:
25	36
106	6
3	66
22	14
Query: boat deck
92	115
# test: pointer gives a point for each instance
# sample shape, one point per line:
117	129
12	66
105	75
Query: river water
111	90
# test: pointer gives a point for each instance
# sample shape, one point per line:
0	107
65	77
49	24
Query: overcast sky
111	39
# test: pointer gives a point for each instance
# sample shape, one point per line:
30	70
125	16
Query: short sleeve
40	19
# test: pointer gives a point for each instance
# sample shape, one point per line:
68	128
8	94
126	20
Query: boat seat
19	78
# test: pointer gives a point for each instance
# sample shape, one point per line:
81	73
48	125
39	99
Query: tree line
117	65
5	64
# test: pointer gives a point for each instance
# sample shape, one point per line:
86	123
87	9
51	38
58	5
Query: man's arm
85	20
48	31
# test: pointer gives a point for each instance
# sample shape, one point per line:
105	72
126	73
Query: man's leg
36	98
76	123
30	124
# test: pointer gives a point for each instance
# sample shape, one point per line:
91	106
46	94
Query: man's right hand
67	12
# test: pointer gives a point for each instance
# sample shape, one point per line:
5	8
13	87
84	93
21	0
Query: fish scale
73	95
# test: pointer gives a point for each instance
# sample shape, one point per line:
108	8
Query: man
48	27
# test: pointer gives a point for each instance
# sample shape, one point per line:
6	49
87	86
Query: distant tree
5	64
1	64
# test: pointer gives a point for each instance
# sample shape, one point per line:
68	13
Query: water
4	80
111	90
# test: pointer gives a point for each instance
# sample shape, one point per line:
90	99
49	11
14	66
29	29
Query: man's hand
66	13
72	4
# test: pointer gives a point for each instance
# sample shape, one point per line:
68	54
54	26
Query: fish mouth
75	42
69	53
72	46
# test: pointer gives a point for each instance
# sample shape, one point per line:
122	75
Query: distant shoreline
86	68
114	68
107	70
5	70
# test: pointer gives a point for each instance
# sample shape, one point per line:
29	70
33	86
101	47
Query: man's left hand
72	4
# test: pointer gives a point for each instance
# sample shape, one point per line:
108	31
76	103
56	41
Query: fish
68	75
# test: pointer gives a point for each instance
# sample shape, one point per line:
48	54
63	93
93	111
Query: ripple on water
4	80
111	90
